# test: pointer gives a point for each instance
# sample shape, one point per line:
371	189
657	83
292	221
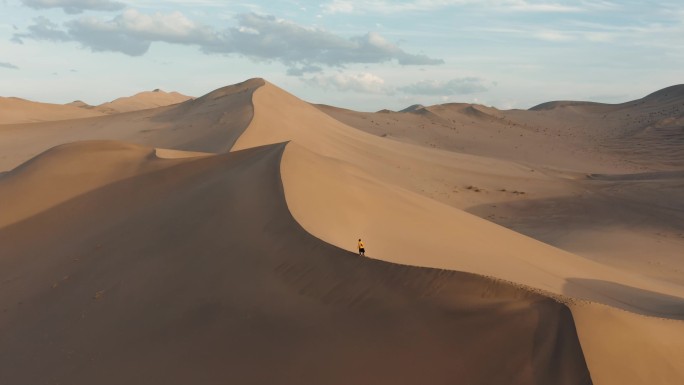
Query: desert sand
214	241
16	110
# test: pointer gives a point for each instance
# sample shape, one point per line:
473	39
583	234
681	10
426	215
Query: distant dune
142	101
413	108
666	96
15	110
215	240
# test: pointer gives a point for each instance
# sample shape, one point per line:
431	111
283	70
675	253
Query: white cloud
359	82
259	37
132	32
75	6
459	86
387	6
171	27
301	47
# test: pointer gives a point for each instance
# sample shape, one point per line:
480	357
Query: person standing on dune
362	250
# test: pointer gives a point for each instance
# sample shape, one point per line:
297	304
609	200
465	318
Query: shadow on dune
636	300
211	123
198	274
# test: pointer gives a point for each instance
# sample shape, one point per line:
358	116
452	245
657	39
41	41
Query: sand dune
194	271
369	200
621	216
58	175
142	101
643	134
15	110
211	123
372	161
572	200
401	225
483	131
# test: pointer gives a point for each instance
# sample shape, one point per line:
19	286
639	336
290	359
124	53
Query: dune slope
197	273
58	175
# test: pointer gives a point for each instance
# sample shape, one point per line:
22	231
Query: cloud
269	38
461	86
75	6
258	37
301	70
360	82
42	29
133	32
387	6
8	65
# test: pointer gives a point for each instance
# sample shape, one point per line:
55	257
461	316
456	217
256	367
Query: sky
363	55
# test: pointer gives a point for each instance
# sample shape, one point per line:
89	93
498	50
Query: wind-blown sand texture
508	247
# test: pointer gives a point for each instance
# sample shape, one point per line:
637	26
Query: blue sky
364	55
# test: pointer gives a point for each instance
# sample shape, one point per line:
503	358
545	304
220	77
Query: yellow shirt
361	245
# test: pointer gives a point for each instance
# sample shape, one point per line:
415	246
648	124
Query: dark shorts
362	250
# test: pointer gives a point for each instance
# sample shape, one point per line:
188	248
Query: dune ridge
202	275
